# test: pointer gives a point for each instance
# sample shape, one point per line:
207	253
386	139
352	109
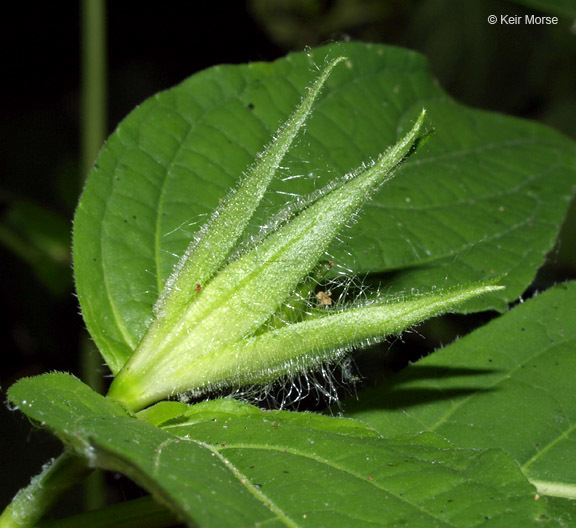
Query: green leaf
54	398
228	464
162	412
227	408
509	384
191	478
564	510
336	458
484	197
55	401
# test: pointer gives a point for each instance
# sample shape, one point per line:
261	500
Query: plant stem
31	502
95	491
93	91
139	513
93	133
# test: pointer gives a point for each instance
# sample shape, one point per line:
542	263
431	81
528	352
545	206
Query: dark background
526	71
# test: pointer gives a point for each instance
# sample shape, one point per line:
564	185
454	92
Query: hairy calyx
211	328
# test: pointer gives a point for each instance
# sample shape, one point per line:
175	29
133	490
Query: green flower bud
219	326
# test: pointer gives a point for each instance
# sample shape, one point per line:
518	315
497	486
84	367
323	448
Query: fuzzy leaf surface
485	196
227	464
509	384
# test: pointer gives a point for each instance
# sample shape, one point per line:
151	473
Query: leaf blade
521	399
225	464
486	196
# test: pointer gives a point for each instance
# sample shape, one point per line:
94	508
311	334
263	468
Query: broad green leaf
162	412
509	384
563	510
52	399
224	409
192	478
334	472
485	196
226	464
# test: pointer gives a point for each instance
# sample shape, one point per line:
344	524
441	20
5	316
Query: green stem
93	93
93	133
91	371
138	513
31	502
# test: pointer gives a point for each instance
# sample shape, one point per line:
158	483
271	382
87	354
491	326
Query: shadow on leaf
421	390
